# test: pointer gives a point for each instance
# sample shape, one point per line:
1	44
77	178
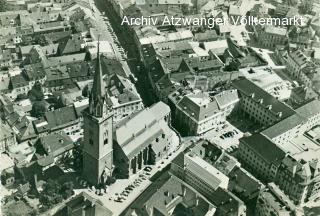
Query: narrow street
126	41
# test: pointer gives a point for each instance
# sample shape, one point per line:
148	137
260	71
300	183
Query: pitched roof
264	147
200	105
250	89
88	204
70	44
60	117
140	129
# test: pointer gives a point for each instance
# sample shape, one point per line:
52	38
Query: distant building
7	137
271	36
296	61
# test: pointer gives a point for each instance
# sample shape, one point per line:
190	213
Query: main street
126	41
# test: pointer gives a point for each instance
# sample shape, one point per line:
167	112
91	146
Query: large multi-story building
253	153
198	113
259	105
299	179
206	180
270	36
267	79
123	97
296	61
303	119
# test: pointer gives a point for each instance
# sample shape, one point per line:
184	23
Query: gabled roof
70	45
61	117
265	148
249	89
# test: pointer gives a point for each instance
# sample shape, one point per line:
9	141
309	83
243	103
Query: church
123	149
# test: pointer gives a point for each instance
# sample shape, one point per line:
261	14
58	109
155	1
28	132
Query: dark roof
248	88
56	143
56	36
226	202
242	184
112	66
18	81
88	204
60	117
198	112
264	147
34	71
209	35
70	44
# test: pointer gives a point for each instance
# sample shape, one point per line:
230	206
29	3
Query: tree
3	5
306	6
38	109
36	93
51	193
21	97
67	190
85	91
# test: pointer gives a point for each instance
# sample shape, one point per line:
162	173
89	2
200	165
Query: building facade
198	113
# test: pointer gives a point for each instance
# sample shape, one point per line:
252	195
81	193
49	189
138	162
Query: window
90	141
105	138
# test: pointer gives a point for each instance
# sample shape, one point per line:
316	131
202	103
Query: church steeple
98	91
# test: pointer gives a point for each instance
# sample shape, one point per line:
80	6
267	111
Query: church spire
98	89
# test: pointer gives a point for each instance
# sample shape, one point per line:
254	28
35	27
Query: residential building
299	179
259	104
271	36
303	119
225	202
122	97
272	201
7	137
53	148
62	119
83	204
197	113
265	164
267	79
296	61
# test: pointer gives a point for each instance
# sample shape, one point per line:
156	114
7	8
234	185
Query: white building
198	113
267	79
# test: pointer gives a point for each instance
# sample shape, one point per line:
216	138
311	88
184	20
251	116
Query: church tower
98	144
